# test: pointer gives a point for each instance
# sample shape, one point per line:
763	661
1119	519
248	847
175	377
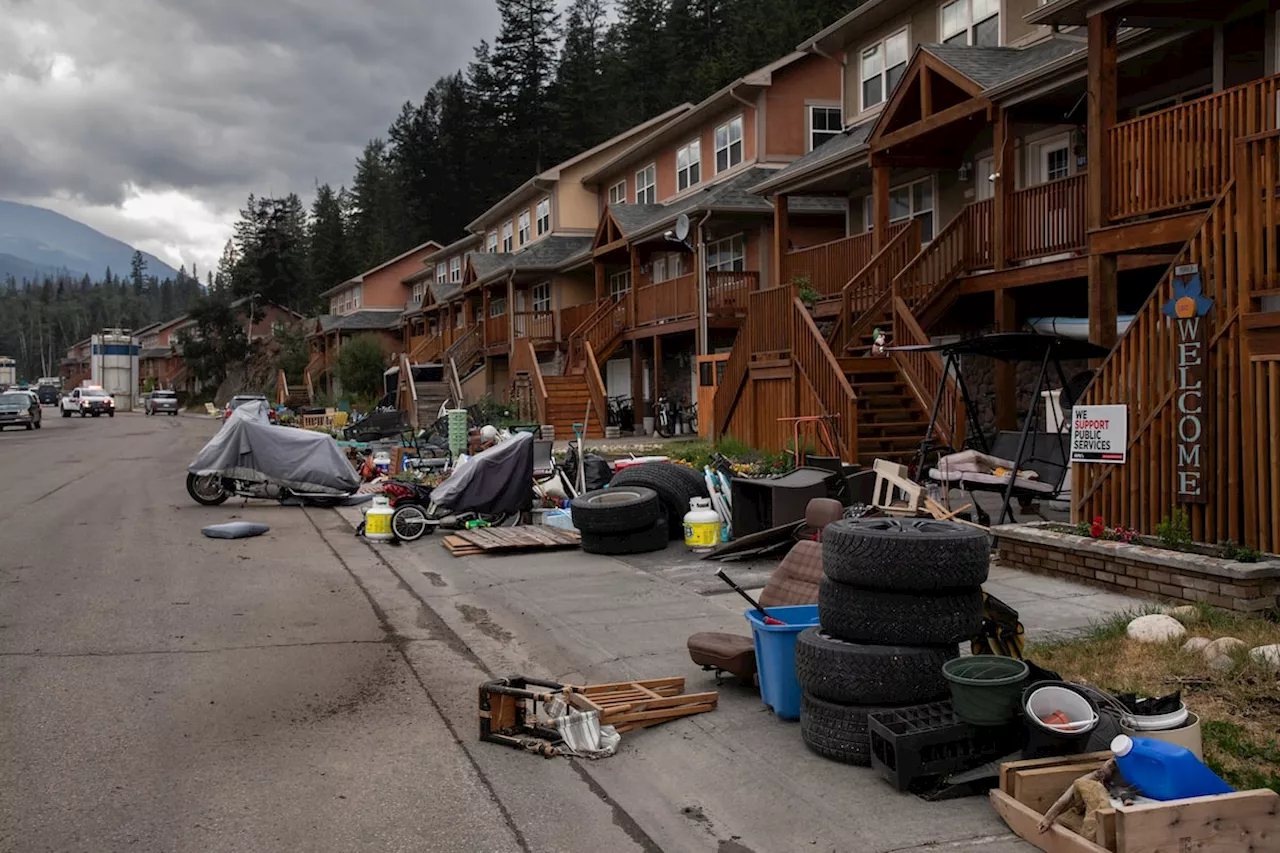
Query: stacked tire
675	484
620	520
896	598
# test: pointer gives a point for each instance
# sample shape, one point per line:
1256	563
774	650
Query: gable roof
368	320
761	78
430	244
538	181
849	144
991	66
549	254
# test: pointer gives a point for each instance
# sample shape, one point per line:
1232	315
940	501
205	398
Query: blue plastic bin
776	655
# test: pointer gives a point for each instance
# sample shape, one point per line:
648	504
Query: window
975	22
544	216
619	284
333	305
824	123
524	227
442	273
909	201
647	185
355	297
455	270
497	306
729	145
688	165
618	193
728	255
542	296
508	228
277	328
882	66
982	178
491	242
419	291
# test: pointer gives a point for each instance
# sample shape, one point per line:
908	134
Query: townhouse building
1010	165
373	302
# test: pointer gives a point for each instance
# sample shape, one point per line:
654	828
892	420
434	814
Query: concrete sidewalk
737	779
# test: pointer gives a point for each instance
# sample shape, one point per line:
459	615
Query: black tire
205	498
652	538
873	616
409	523
619	509
30	426
835	731
675	484
111	414
65	413
39	423
854	674
905	554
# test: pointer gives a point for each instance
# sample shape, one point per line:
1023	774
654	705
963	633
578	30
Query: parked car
161	403
240	399
19	408
88	401
48	394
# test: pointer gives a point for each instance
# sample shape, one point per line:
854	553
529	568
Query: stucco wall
922	28
814	80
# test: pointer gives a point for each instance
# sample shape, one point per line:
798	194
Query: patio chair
972	471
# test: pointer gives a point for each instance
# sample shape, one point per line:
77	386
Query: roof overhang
928	106
855	25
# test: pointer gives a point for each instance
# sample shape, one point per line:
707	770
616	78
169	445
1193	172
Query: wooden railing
282	388
524	362
1047	219
828	266
408	396
667	301
728	292
734	376
769	333
825	377
574	316
496	331
427	350
464	351
595	387
923	372
872	282
980	234
311	391
602	328
1183	155
962	245
535	325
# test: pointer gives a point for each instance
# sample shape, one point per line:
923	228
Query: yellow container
701	526
377	521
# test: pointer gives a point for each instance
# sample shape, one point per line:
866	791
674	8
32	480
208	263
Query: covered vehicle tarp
249	447
497	480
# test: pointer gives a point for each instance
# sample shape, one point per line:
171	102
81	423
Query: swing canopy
1014	346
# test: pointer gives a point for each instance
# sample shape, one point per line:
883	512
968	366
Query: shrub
1175	530
361	364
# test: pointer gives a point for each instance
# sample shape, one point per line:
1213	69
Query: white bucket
1158	722
1044	701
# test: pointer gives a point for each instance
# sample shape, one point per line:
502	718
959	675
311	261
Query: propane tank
382	462
701	525
377	521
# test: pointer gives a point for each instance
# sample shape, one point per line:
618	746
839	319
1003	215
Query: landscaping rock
1156	628
1196	644
1185	613
1221	654
1268	656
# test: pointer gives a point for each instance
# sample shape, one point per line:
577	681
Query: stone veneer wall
1139	570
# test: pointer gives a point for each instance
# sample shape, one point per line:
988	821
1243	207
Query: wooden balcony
1047	219
574	316
667	301
728	292
828	266
497	333
538	326
1183	156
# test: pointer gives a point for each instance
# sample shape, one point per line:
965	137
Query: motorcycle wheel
207	490
409	523
662	429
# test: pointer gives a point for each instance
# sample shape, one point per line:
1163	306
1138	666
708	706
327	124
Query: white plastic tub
1046	700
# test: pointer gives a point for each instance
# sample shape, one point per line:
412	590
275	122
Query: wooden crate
1230	823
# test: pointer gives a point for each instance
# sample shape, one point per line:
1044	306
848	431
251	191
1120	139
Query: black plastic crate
926	741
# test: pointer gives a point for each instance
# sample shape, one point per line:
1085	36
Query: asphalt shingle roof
360	321
852	139
443	291
991	66
549	253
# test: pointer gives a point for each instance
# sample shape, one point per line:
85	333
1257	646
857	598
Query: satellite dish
682	227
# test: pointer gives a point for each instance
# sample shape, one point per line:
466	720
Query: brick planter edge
1138	569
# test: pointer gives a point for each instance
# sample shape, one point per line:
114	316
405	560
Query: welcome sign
1189	309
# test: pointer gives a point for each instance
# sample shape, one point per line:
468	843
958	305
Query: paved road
167	692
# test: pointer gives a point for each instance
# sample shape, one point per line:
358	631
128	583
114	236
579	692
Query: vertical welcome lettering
1189	308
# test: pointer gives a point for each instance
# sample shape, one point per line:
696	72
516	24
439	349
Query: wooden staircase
602	330
891	421
568	400
430	396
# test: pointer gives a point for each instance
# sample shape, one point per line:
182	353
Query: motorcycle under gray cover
250	447
498	480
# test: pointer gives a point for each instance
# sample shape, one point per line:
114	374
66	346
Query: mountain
35	241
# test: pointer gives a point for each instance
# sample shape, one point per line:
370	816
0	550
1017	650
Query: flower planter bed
1140	569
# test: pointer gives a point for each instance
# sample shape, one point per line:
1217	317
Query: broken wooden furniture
509	540
509	707
1246	820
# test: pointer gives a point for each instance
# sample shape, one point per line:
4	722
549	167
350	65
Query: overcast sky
152	120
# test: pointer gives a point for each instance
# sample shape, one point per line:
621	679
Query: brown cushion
795	581
822	511
729	652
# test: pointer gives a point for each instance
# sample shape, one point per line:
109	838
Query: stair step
890	428
868	364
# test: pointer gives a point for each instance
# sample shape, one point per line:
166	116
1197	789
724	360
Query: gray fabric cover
498	480
234	530
250	447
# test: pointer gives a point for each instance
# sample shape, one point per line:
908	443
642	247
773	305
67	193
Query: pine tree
523	62
329	257
138	272
374	207
642	68
415	165
581	104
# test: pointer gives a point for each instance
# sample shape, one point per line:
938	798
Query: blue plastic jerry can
1165	771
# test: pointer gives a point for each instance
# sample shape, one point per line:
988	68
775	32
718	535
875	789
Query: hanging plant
805	290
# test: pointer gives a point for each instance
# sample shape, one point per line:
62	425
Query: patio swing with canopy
1028	449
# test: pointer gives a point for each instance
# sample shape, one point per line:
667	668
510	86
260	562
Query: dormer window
971	22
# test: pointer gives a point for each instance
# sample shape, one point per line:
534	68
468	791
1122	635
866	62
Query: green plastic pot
986	690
